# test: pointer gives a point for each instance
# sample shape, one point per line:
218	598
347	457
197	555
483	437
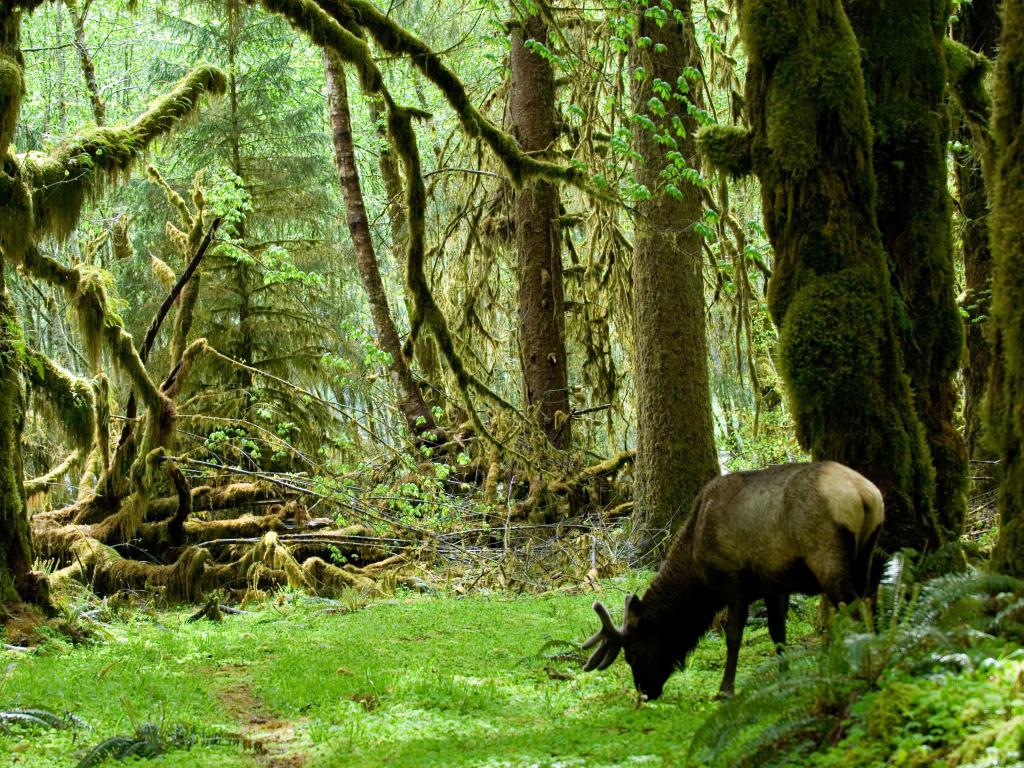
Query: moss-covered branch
71	398
338	24
62	180
727	149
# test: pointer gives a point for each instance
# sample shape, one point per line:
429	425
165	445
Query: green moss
830	340
726	148
12	89
15	216
70	398
1006	401
62	180
905	65
811	147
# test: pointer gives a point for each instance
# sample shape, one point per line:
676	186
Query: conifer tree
675	438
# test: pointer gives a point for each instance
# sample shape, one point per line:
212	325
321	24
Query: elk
808	528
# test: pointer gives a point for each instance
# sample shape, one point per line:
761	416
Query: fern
40	717
151	740
915	628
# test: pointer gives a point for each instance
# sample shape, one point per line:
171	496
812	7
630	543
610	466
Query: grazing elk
808	528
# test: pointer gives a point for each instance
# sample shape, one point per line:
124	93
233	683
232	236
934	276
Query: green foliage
150	740
410	681
899	681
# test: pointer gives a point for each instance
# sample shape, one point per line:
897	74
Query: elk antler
611	638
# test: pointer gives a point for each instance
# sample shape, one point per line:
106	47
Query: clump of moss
12	89
70	397
727	149
63	179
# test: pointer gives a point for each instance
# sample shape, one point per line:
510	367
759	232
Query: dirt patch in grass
275	741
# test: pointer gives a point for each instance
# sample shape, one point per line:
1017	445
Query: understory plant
915	680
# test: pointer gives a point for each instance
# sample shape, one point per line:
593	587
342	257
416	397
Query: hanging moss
1006	398
71	398
41	484
12	90
63	179
333	23
15	213
727	148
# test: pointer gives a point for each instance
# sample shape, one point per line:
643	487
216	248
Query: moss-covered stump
1006	417
810	145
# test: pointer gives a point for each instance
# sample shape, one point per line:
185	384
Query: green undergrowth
418	681
485	680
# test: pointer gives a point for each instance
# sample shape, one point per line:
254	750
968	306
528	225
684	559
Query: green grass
474	681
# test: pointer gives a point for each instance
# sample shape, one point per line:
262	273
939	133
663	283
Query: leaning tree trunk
905	74
977	27
809	142
410	400
17	581
1006	416
675	435
541	297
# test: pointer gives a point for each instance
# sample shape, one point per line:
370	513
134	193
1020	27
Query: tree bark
1006	416
410	400
99	109
809	142
977	27
538	240
676	452
905	75
18	583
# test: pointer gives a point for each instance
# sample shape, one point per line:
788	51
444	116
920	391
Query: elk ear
634	606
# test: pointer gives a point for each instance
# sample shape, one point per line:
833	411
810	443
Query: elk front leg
733	637
778	607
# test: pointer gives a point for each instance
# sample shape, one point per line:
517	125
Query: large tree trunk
809	142
1006	417
977	27
905	74
541	297
17	581
410	399
676	452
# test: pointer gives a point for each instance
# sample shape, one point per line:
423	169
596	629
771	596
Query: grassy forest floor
410	681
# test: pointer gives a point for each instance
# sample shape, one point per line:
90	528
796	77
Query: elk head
647	652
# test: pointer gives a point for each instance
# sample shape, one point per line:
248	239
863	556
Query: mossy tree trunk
977	27
17	581
905	74
410	400
675	449
1006	416
541	296
809	142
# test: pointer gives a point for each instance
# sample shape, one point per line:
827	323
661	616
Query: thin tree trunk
99	109
904	72
410	399
538	245
676	452
1006	416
